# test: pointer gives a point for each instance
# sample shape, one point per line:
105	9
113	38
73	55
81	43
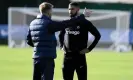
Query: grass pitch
16	64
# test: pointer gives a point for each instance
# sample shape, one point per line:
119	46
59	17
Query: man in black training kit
75	45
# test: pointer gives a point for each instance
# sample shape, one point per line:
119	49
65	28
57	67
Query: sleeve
61	38
57	26
29	40
94	31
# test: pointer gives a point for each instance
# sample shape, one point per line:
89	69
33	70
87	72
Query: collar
41	16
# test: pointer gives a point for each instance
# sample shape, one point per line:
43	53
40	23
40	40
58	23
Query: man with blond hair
41	37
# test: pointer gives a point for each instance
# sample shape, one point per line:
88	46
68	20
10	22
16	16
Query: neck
46	15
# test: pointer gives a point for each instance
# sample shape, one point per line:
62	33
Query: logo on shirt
73	32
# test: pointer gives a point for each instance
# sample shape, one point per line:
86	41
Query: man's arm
93	30
61	38
57	26
29	40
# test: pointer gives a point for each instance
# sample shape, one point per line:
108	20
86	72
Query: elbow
30	43
98	36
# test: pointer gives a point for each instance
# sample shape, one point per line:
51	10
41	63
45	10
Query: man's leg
48	69
43	69
68	68
36	69
81	68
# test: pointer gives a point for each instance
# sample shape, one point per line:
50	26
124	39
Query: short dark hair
45	6
74	4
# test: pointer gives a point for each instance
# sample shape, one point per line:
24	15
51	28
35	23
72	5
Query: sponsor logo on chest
74	32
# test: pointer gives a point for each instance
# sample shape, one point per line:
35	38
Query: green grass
16	64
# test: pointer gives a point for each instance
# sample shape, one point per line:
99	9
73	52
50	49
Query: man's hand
87	12
84	51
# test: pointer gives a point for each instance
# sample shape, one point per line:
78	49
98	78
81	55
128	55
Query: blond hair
45	7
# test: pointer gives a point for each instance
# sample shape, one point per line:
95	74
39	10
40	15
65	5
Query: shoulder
40	21
33	22
86	22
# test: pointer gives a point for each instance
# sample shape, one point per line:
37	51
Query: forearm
93	44
29	40
61	42
74	20
61	38
97	36
57	26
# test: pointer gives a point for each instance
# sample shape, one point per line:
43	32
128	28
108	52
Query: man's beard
73	15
